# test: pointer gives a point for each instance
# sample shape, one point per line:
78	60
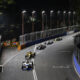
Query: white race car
27	65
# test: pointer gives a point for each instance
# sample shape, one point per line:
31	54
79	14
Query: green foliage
7	2
10	1
1	1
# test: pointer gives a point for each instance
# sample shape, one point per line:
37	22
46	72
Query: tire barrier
76	54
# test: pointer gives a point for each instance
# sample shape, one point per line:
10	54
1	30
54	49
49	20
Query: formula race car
58	39
30	55
41	46
49	42
27	65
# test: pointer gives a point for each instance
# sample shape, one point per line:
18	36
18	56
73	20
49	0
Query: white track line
61	67
10	59
34	48
65	51
14	57
34	72
17	55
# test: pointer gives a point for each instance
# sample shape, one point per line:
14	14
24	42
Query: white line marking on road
61	67
35	48
10	59
65	51
32	60
19	54
14	56
34	74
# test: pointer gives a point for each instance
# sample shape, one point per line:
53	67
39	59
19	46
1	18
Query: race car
41	46
27	65
58	39
30	55
49	42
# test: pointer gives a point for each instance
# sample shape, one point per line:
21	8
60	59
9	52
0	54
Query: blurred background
11	15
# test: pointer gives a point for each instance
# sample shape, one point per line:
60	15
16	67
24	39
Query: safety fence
30	37
40	36
74	28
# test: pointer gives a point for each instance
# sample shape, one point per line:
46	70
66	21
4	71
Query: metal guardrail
41	35
30	37
74	27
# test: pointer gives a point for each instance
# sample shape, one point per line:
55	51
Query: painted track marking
34	72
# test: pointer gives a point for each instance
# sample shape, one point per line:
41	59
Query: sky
13	13
43	4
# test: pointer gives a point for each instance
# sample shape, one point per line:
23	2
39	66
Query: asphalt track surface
52	63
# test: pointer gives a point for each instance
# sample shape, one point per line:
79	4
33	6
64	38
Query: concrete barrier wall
40	40
76	54
76	65
56	33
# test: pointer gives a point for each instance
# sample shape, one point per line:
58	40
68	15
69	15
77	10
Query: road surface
52	63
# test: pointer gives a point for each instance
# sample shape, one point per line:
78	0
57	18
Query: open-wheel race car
27	65
49	42
58	39
41	47
30	55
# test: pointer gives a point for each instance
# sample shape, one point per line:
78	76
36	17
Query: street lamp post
33	16
64	12
58	16
73	17
51	15
69	14
46	21
23	24
43	12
